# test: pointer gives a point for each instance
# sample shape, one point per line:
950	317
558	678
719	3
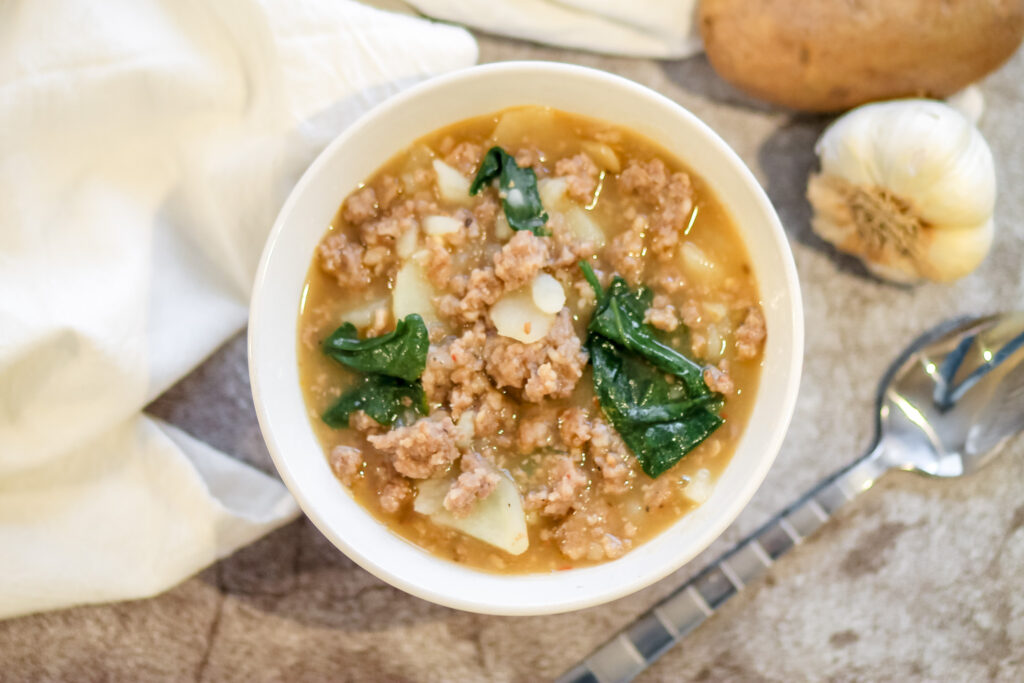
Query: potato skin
830	55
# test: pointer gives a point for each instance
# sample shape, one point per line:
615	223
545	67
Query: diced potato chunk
534	127
497	520
413	293
441	225
362	316
700	487
515	315
548	293
502	230
452	186
698	267
552	193
584	227
602	155
408	241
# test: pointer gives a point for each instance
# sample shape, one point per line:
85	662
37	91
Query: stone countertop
917	580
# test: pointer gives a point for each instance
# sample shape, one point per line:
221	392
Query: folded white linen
661	29
145	148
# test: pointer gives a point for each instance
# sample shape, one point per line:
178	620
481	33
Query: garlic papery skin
909	187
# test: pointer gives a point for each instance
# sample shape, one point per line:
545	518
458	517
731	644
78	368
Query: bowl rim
712	530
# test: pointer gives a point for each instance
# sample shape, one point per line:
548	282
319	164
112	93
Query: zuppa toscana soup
530	342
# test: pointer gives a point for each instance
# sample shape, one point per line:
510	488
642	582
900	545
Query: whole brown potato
828	55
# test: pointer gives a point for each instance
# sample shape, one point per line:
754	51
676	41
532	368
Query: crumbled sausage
536	431
477	481
527	157
575	428
587	533
467	377
662	314
394	490
343	259
581	175
520	259
360	206
438	265
421	449
482	290
436	377
549	367
465	158
566	480
626	251
611	455
718	379
361	422
660	491
388	191
671	195
495	413
345	462
750	334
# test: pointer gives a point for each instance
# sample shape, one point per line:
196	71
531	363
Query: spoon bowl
954	397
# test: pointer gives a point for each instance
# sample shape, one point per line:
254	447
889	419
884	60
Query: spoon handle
640	644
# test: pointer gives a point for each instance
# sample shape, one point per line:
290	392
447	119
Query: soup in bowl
528	345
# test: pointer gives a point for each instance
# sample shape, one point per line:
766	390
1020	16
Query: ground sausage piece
393	490
566	480
520	259
670	194
465	157
549	367
660	491
436	378
611	455
575	428
467	376
718	379
421	449
343	259
586	533
536	431
477	481
361	422
750	334
345	462
360	206
494	413
626	251
482	290
662	314
671	220
388	191
581	175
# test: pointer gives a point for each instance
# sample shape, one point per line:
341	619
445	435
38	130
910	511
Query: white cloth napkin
145	148
661	29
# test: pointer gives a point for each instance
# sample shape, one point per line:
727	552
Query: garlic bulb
908	186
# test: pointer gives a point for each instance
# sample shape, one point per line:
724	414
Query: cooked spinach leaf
385	399
519	194
649	411
400	353
620	317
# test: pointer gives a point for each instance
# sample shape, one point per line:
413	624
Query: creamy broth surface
585	498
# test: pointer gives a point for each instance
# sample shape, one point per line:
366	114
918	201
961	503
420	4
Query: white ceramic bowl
357	153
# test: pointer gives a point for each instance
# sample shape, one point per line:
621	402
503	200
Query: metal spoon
946	406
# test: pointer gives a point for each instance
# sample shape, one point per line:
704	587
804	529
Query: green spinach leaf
620	317
385	399
649	410
519	194
401	353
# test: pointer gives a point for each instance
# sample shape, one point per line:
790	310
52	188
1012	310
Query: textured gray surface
917	580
